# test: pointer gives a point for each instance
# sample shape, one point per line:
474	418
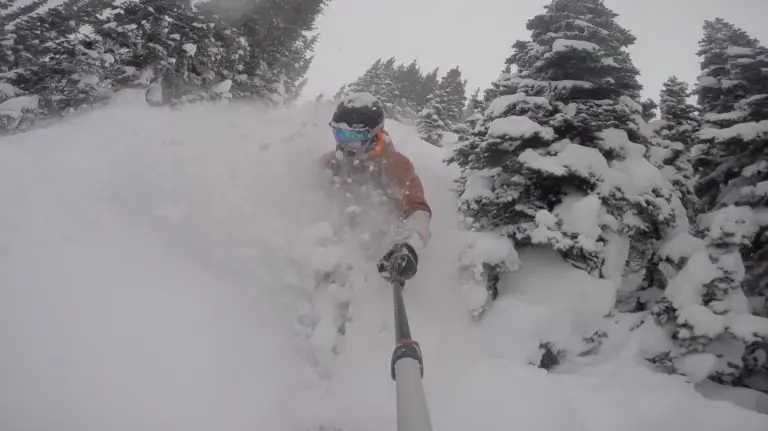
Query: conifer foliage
79	53
444	110
557	158
679	119
435	104
715	309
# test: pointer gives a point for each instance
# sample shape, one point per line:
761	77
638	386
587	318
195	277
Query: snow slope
153	264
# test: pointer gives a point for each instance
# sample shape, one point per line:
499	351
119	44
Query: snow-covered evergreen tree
280	36
78	53
408	82
473	113
444	109
473	104
733	160
679	119
705	310
649	109
558	158
452	95
429	86
340	93
675	128
55	63
430	124
366	82
405	92
380	80
718	91
385	89
711	308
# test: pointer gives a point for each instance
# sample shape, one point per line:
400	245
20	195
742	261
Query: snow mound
565	44
501	104
746	131
17	104
584	160
155	263
514	127
681	245
9	90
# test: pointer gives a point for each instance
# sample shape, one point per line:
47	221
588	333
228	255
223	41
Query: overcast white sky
477	35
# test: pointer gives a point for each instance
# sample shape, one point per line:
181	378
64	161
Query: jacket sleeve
410	191
411	202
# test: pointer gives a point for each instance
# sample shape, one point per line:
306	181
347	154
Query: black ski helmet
359	111
357	123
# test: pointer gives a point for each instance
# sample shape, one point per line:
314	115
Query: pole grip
407	349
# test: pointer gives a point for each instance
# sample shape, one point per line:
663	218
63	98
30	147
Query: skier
365	152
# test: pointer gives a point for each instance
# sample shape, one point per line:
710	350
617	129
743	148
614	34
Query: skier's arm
411	202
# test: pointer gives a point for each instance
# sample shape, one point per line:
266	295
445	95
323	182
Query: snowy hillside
154	263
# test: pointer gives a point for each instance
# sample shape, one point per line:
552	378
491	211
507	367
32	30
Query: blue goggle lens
346	137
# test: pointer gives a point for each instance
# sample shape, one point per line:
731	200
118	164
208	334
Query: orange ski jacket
391	169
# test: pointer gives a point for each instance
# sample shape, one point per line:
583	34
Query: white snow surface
583	160
222	87
152	263
727	116
190	48
9	90
746	131
708	81
18	104
566	44
681	245
502	103
739	50
514	127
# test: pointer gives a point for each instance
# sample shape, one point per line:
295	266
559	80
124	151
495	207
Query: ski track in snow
152	263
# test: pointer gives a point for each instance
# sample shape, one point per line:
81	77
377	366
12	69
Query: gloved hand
399	263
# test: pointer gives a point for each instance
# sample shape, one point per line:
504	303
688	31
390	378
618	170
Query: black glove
399	263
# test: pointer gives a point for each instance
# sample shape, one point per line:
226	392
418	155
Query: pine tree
733	162
680	119
649	109
718	91
402	89
444	109
78	53
55	68
706	309
170	47
429	86
452	97
339	94
11	14
558	158
430	124
473	104
367	81
471	116
735	105
386	90
678	122
280	36
384	80
408	81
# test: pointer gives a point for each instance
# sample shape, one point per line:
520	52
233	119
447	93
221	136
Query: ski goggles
354	139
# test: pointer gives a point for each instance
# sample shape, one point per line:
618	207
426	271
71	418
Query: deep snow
153	264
